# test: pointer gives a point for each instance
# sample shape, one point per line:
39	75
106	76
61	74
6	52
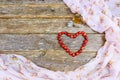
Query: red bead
77	53
73	55
85	41
60	42
71	36
68	51
58	36
62	32
59	39
68	34
65	47
82	47
86	38
82	32
74	36
79	32
65	32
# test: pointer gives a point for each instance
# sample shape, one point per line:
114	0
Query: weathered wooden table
30	27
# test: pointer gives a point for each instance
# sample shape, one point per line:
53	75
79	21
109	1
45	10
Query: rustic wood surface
31	1
30	27
39	26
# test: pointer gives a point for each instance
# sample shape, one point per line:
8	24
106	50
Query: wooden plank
29	54
46	42
35	38
43	49
54	59
30	1
39	26
35	11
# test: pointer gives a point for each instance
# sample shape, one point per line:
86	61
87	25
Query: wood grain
25	26
65	62
35	11
29	28
31	1
46	42
54	59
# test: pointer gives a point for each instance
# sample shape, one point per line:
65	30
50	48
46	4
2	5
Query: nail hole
52	10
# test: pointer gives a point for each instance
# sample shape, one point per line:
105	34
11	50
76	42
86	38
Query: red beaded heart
71	53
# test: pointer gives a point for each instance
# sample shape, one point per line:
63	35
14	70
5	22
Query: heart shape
71	53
